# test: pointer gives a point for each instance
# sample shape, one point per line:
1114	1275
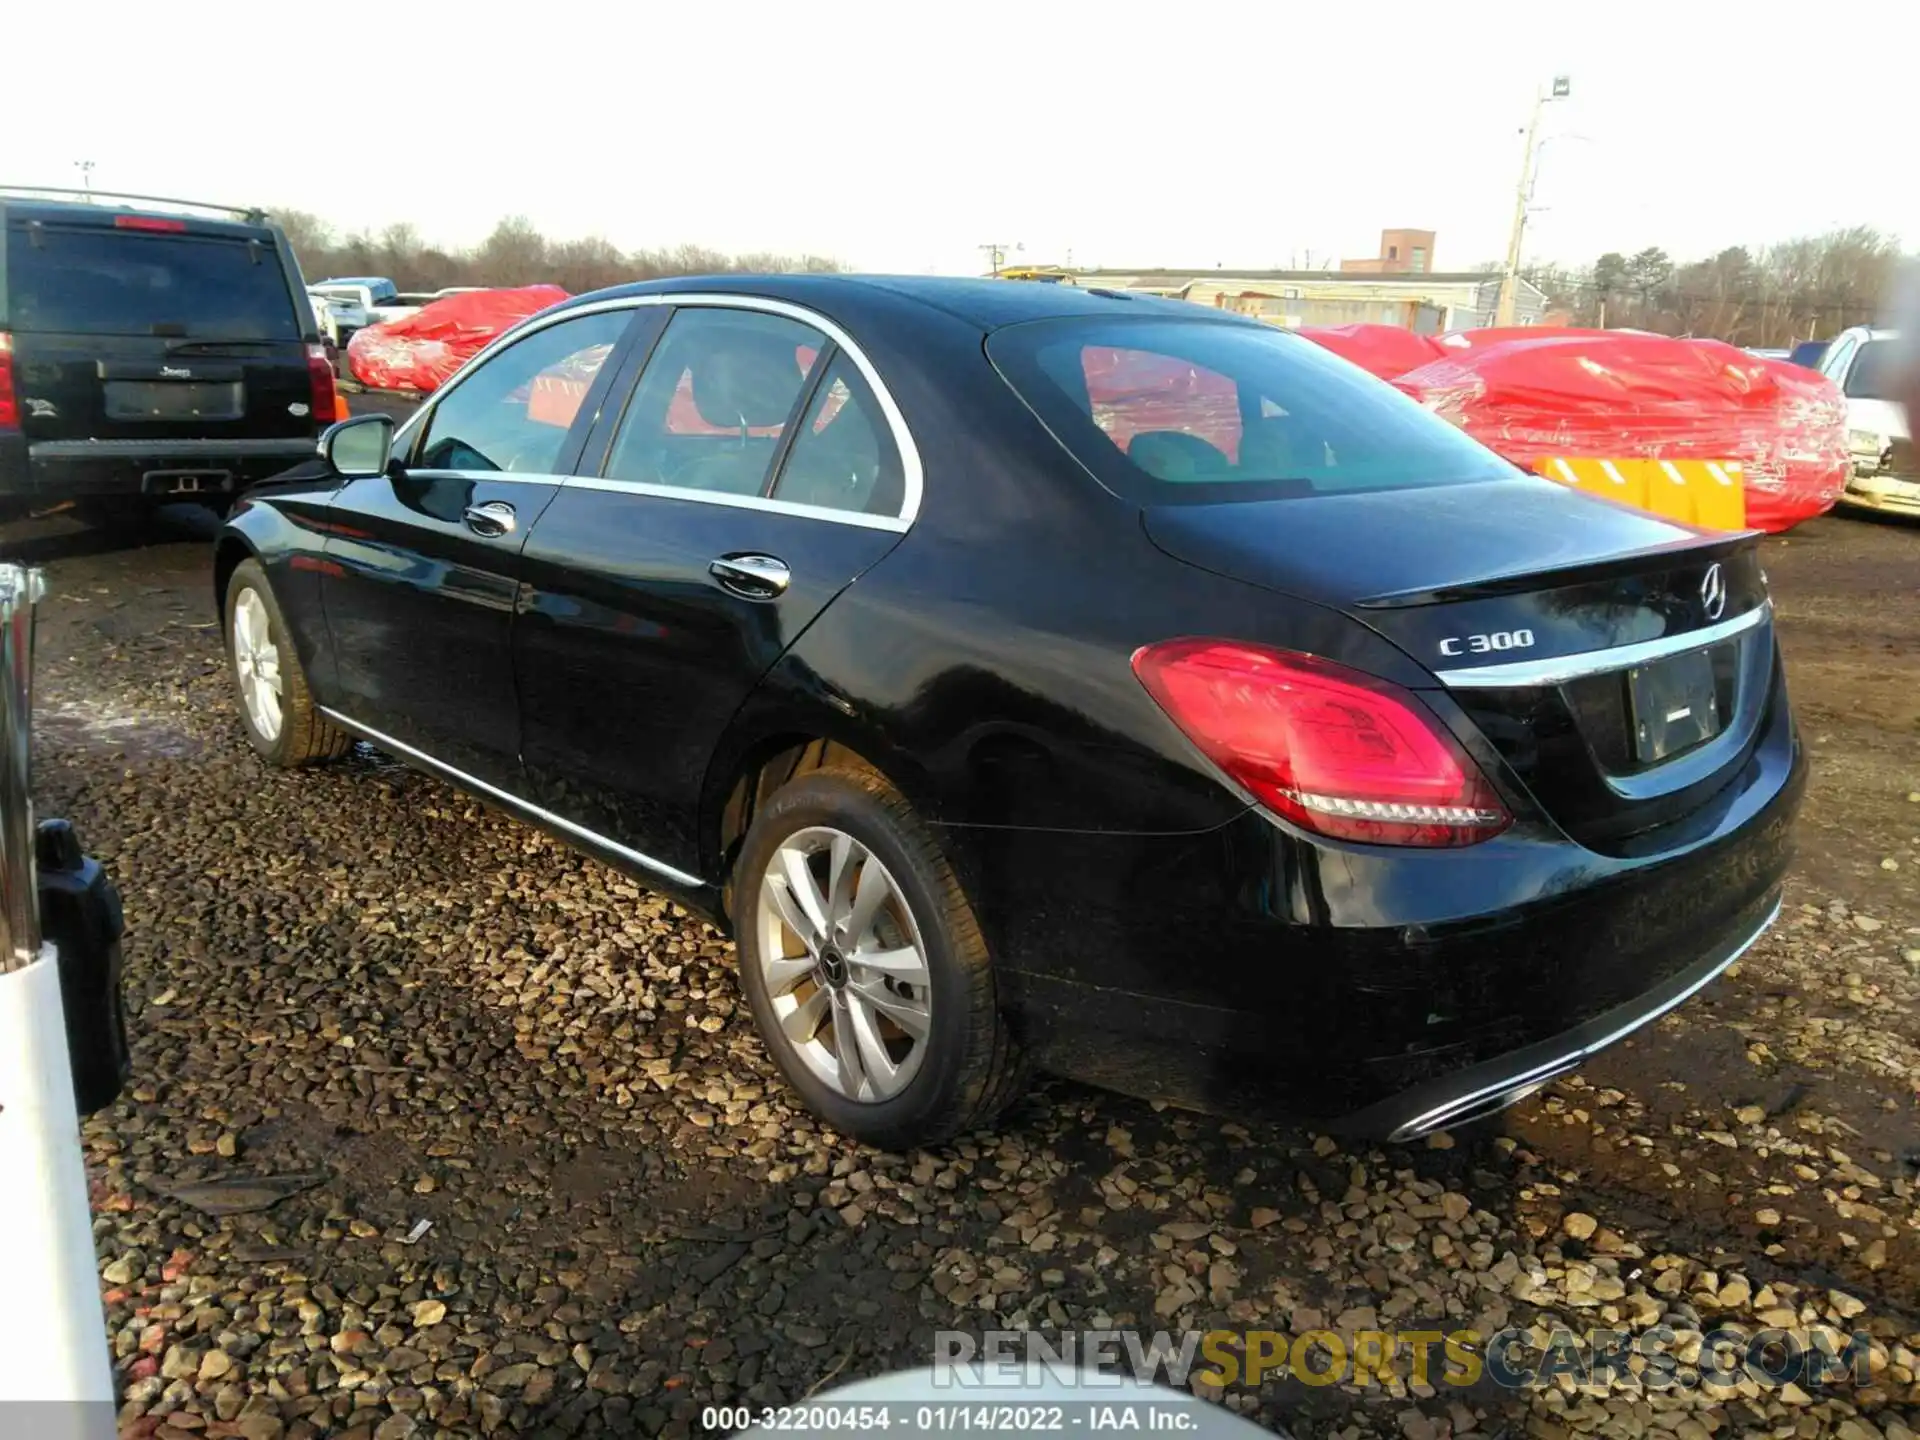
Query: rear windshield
87	280
1169	411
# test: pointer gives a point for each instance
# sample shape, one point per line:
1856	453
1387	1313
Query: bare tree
1807	288
514	253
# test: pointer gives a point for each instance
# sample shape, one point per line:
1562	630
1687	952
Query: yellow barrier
1707	493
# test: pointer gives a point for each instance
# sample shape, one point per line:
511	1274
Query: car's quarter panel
632	657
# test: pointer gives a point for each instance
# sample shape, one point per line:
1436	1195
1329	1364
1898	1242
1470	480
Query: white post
53	1340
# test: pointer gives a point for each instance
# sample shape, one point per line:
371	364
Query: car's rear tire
898	966
276	704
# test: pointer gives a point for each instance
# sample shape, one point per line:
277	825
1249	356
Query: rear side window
1170	411
843	457
85	280
714	401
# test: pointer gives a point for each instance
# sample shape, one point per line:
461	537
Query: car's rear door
752	473
133	327
420	572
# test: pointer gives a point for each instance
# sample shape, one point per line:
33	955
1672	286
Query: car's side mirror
360	448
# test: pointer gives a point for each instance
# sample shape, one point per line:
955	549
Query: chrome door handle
756	577
491	520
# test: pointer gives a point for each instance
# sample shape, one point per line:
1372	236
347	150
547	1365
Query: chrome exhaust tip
1476	1106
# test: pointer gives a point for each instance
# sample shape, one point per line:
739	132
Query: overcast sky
903	135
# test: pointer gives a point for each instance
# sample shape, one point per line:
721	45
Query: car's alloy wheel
844	965
864	965
256	663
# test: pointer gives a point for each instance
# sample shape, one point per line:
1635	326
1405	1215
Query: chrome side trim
913	473
740	502
1598	662
507	798
1440	1115
490	477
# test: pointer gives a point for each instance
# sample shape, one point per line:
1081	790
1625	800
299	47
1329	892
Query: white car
338	315
1862	362
376	297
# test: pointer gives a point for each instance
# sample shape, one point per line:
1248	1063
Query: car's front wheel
276	705
866	971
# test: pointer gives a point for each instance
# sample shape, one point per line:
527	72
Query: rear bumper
48	471
1494	1084
1886	494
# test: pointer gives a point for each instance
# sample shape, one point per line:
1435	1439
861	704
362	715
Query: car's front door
420	563
752	476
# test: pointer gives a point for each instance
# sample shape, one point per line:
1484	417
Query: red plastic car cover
1138	391
1536	393
1383	350
419	351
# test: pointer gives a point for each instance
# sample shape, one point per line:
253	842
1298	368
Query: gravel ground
513	1161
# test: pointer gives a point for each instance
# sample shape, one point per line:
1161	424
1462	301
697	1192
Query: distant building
1424	303
1402	252
1396	287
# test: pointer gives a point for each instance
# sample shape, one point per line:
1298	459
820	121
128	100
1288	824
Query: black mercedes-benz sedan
1033	676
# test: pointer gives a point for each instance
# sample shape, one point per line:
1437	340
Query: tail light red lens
326	398
9	403
1334	751
149	222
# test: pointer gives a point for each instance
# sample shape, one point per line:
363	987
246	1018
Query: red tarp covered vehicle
1535	394
419	351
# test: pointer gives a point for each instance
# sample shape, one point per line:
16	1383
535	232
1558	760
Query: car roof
101	216
988	304
1867	334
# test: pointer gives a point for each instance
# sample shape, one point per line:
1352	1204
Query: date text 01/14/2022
1170	1414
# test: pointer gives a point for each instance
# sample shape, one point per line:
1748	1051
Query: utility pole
85	167
996	257
1523	197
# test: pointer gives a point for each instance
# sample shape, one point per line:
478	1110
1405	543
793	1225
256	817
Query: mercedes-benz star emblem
1713	592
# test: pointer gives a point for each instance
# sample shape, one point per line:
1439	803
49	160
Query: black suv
149	355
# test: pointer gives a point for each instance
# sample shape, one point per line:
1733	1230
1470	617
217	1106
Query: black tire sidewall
248	575
828	799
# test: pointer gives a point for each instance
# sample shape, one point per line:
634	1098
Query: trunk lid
1619	664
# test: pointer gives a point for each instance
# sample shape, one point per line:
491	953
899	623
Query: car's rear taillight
326	399
9	403
1332	750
